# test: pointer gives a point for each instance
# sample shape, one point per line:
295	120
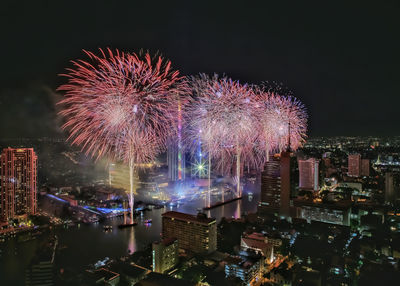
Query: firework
282	121
122	106
222	118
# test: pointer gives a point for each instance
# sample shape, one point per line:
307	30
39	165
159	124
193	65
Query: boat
107	228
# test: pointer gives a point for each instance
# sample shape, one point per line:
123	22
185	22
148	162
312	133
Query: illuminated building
275	185
176	164
335	213
247	267
176	154
259	243
194	233
309	174
165	255
365	166
18	183
354	165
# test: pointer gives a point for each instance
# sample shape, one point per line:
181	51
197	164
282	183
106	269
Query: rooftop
155	279
258	244
166	241
200	218
245	260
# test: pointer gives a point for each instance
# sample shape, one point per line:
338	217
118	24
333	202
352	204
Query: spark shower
127	107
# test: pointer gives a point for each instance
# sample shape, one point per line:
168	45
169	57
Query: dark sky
341	58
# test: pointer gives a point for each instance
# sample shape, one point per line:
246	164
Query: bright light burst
278	118
221	116
127	107
122	106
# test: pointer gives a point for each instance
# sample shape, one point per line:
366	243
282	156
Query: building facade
18	170
354	165
176	163
275	185
165	255
365	167
309	174
247	267
336	213
194	233
390	195
258	243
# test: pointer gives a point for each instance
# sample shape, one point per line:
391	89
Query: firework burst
222	118
121	106
282	120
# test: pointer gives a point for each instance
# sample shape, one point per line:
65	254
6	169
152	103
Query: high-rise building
40	273
165	255
194	233
275	185
309	174
389	188
18	170
176	164
354	165
365	167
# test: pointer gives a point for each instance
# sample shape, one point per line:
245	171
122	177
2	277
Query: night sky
341	59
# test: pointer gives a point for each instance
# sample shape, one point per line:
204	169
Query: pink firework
279	118
121	106
222	116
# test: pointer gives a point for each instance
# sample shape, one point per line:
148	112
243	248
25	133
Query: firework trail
121	106
221	116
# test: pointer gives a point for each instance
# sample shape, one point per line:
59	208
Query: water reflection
238	212
132	241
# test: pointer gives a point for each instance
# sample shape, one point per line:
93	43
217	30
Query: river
86	244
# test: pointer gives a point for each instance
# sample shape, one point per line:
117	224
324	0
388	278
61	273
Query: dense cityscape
323	215
193	143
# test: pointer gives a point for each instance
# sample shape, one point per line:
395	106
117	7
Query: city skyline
199	143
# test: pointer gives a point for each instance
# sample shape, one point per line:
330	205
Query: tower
175	153
18	183
275	185
176	163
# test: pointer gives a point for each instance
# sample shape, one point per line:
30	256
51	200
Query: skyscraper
365	167
275	185
309	174
175	154
354	165
176	164
194	233
18	169
389	188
